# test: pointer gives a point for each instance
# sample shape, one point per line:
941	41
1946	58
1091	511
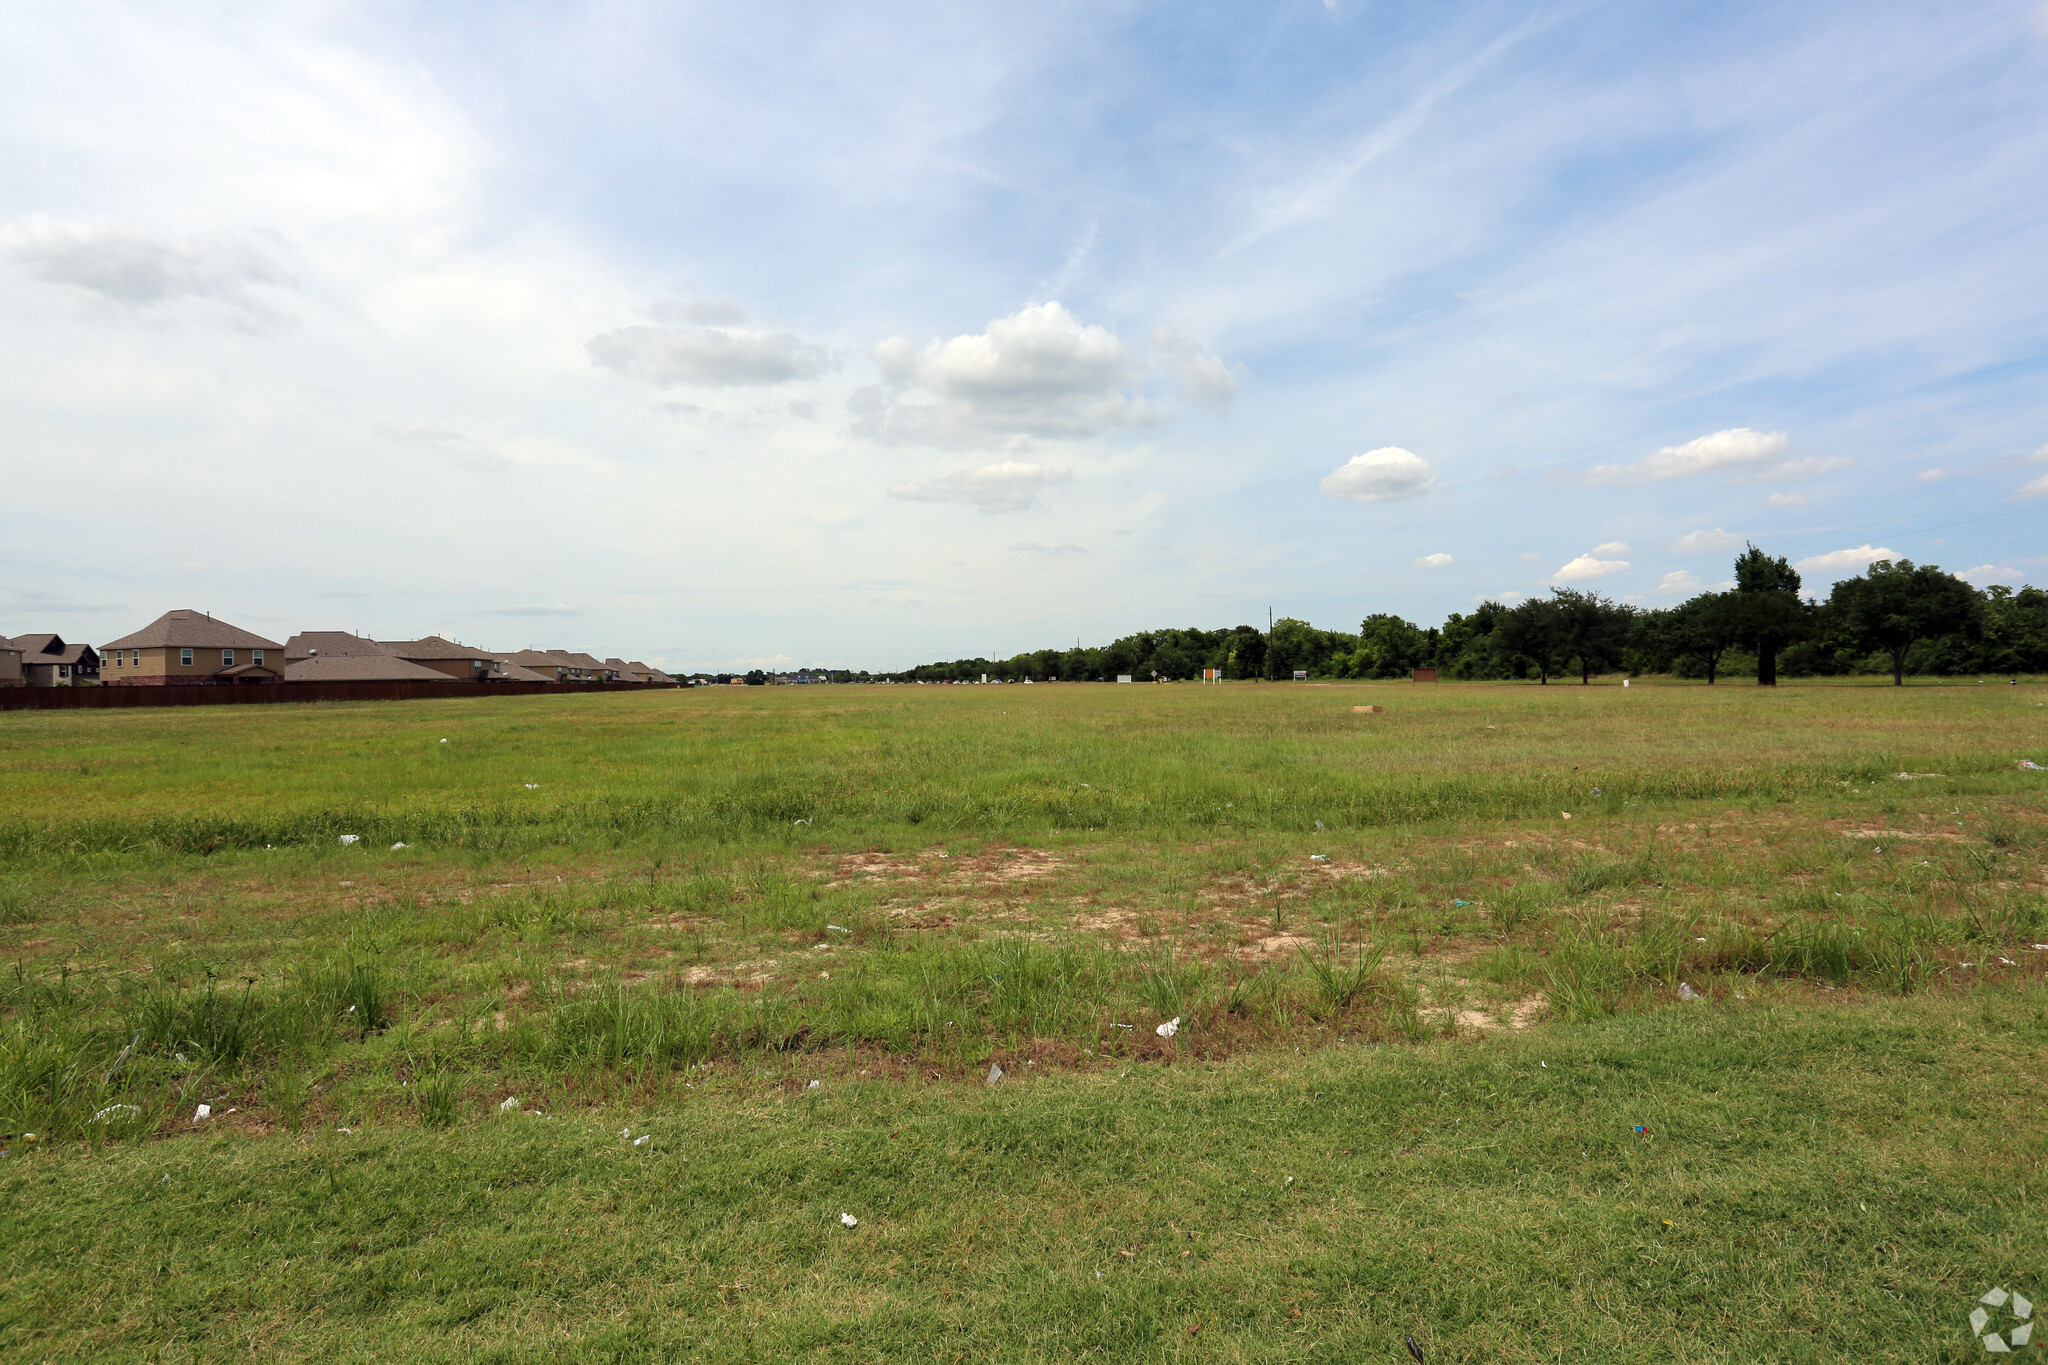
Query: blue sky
864	335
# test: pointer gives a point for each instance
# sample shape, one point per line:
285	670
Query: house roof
434	647
510	672
575	660
308	643
359	668
248	670
191	630
46	648
535	658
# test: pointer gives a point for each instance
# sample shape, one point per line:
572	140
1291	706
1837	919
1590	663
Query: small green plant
435	1101
1337	979
286	1092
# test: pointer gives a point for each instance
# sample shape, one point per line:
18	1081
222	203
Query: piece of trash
533	786
349	838
1639	1128
1169	1028
114	1111
814	1085
995	1076
1698	940
344	1130
2029	763
2008	961
641	1141
508	1104
802	822
1598	792
1740	996
396	847
1319	857
1290	1180
1320	825
444	739
204	1111
839	929
1123	1026
1408	1340
1686	992
1461	902
849	1220
1544	1065
1566	814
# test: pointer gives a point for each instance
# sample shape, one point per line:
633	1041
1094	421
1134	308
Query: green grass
1374	930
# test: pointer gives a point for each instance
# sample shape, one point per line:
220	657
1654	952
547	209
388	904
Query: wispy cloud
1006	486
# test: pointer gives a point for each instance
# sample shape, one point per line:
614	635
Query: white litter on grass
849	1220
839	929
1686	992
814	1085
533	786
995	1074
444	740
1321	825
641	1141
803	822
114	1111
1319	857
396	847
508	1104
345	1130
349	838
204	1111
1169	1028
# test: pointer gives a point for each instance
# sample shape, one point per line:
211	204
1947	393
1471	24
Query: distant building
191	647
322	668
10	663
47	661
466	662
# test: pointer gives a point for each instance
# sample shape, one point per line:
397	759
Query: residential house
310	644
622	671
10	663
191	647
46	661
510	672
466	662
654	675
592	670
540	662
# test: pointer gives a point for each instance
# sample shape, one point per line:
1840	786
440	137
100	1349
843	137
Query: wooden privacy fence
234	694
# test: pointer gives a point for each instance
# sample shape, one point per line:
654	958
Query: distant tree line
1897	618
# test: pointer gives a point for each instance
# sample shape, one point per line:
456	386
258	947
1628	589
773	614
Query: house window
185	657
257	658
227	658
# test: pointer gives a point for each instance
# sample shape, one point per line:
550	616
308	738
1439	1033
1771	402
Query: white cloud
1032	547
1930	476
707	355
1993	573
2032	487
1845	561
1588	567
220	276
1705	542
1679	580
1204	378
1381	475
1007	486
1039	372
1532	558
1788	500
1437	561
1738	448
1612	547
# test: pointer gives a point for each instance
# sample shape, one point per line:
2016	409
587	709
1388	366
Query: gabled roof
434	647
359	668
582	661
46	648
308	643
191	630
536	658
510	672
248	670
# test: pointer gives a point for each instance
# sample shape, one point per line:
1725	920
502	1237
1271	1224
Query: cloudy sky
868	334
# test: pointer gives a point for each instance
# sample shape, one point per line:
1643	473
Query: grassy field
1536	1023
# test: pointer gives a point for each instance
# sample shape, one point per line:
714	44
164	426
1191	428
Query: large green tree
1532	630
1590	629
1764	611
1896	604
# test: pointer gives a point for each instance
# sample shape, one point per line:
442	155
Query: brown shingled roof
191	630
434	647
308	643
359	668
